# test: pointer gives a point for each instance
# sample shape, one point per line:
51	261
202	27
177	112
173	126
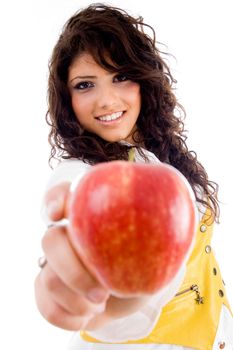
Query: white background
198	33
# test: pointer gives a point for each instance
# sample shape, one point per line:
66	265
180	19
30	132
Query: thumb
55	202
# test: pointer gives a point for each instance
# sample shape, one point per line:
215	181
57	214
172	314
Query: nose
107	97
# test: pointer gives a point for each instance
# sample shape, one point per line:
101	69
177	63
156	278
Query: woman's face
107	104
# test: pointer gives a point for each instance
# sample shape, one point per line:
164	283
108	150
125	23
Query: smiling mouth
110	118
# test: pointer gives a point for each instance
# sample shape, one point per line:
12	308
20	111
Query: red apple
132	225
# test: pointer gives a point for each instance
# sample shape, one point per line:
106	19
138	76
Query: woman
110	92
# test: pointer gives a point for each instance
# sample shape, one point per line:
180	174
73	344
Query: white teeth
110	117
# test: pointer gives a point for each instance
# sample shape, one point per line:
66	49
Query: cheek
133	94
74	104
80	105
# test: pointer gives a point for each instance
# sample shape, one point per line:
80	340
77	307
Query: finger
62	295
54	313
55	201
67	265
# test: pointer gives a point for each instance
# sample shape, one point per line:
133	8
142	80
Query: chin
114	139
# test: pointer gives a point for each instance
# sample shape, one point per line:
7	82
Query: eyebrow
84	77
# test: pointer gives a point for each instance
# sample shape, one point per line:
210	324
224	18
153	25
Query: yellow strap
131	157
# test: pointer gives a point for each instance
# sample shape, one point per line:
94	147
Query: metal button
215	271
221	344
220	292
223	282
203	228
208	249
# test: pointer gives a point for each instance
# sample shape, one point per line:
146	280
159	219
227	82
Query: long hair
109	32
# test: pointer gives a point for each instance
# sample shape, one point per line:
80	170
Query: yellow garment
191	318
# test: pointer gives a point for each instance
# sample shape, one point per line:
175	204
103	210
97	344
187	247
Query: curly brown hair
109	32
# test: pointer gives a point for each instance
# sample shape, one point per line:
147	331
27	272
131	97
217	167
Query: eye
120	78
83	85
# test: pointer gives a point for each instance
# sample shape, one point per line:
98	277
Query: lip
110	122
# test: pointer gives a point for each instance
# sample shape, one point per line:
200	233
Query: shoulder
68	170
142	154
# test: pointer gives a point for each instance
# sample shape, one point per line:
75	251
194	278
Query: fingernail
96	295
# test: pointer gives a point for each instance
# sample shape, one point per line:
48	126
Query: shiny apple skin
132	225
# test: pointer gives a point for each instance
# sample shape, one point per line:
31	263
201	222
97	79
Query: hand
67	295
